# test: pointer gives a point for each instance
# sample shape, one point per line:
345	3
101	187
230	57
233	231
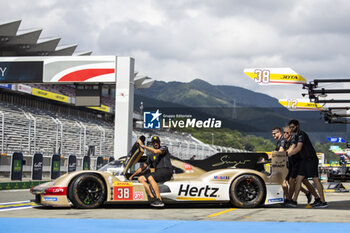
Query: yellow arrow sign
274	76
300	104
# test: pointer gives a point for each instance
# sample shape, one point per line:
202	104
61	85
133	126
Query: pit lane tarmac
16	204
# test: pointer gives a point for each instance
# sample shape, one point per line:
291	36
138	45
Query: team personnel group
302	165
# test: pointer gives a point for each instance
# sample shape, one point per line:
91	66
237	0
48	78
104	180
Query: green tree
230	138
324	148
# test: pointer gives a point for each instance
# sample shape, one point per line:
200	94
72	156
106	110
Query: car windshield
116	167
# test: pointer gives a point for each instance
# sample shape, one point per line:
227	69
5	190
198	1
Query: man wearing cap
159	158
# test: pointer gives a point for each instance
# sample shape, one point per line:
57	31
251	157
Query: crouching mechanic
160	159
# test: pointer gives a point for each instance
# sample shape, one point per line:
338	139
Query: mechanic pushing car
160	160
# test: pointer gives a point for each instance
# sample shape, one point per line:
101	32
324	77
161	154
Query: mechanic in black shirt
277	135
293	165
308	167
159	158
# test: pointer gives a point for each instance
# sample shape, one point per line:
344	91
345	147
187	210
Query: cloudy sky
214	40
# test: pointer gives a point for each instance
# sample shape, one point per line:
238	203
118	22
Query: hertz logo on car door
186	192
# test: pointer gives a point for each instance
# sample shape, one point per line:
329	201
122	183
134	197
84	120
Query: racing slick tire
87	191
247	191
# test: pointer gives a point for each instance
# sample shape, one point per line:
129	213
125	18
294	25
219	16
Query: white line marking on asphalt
16	202
19	208
14	190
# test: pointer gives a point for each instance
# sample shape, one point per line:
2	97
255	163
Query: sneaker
320	205
157	203
316	202
292	204
286	201
309	197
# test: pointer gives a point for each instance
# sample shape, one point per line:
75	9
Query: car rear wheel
247	191
87	191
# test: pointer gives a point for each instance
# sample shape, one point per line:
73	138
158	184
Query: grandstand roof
139	82
27	42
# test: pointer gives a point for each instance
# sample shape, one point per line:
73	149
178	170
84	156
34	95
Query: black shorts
308	168
293	167
160	175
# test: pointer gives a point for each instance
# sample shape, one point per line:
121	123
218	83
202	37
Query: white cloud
209	39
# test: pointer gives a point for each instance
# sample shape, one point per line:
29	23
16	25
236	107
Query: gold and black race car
242	187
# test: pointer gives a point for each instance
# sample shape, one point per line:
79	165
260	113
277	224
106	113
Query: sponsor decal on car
188	167
227	160
116	183
50	198
56	191
221	177
138	195
123	191
193	191
274	200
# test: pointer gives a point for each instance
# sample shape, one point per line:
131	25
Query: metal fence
30	133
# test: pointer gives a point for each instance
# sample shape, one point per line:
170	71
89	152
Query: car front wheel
247	191
87	191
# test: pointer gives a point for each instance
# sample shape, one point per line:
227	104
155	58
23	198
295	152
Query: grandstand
30	130
31	124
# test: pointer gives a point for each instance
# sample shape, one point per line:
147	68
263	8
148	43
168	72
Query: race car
242	187
342	175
